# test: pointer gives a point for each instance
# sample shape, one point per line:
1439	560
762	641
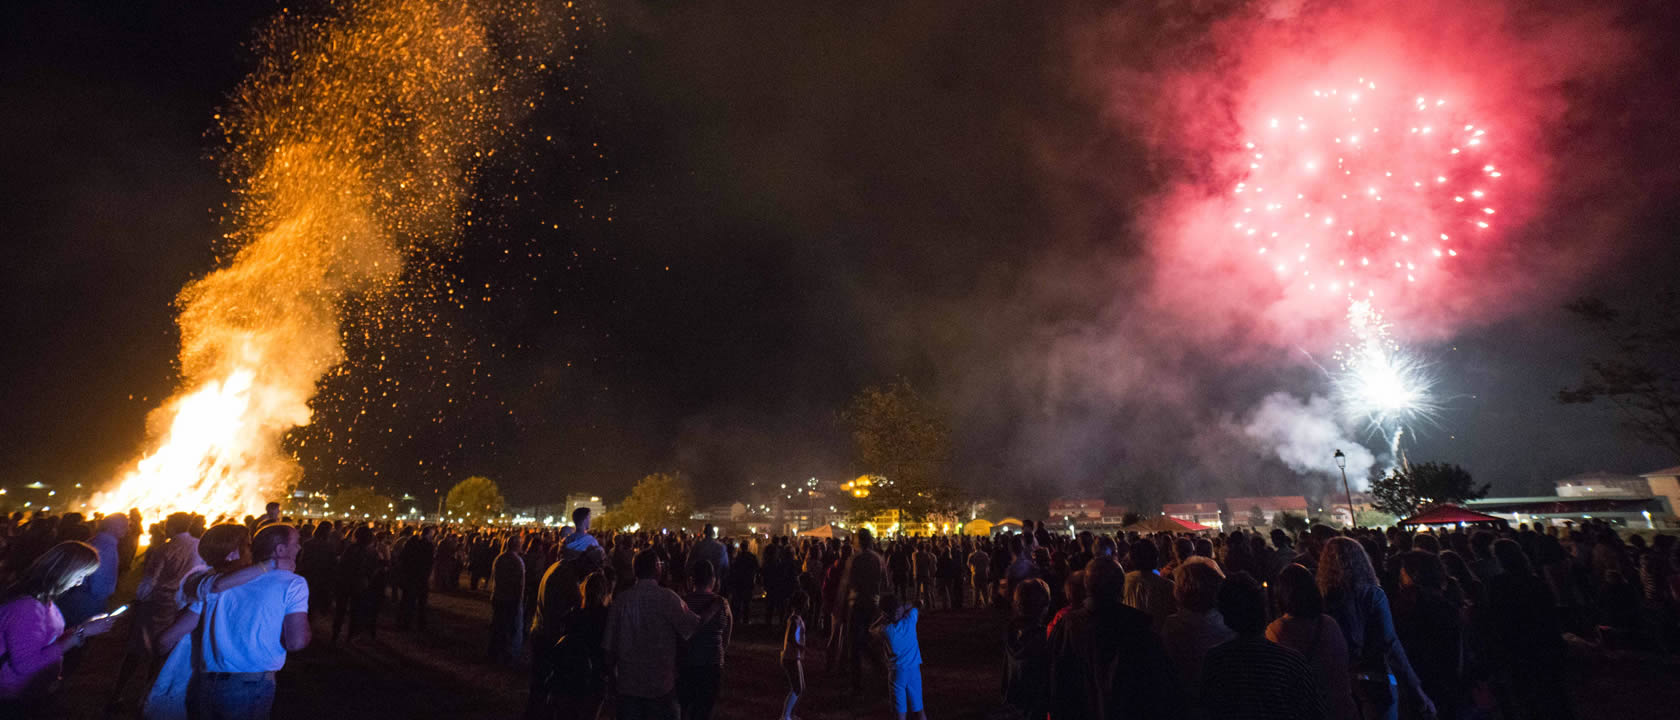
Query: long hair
1343	565
221	542
61	567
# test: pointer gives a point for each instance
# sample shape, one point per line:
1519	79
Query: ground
442	673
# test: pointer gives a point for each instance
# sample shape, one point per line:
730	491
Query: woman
1305	629
1432	631
1354	598
1525	639
577	686
226	551
32	635
1026	677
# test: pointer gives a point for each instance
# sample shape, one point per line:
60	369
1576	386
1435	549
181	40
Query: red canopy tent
1448	514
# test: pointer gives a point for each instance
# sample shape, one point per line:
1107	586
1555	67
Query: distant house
1241	508
1201	513
1077	509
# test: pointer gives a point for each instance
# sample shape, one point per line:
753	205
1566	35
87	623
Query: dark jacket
1106	663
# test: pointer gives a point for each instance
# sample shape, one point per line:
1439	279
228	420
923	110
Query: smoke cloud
1302	433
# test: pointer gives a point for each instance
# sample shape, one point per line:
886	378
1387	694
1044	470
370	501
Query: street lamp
1341	464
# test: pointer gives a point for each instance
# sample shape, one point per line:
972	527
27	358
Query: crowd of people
1359	624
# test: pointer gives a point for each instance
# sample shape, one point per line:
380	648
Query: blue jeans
230	696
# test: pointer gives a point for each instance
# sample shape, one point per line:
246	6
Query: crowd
1358	624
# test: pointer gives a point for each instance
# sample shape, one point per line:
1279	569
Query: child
897	630
793	650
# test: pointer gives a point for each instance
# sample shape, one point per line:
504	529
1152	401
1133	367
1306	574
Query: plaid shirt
644	625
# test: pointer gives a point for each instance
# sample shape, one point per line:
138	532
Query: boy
897	630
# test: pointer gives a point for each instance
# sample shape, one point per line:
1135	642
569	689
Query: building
1201	513
1241	509
1622	510
1665	485
1076	510
577	500
1603	484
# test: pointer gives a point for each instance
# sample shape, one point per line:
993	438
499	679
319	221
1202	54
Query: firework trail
354	141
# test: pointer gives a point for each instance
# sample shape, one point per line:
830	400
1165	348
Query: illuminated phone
120	610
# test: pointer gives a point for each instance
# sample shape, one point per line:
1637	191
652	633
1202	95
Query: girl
793	651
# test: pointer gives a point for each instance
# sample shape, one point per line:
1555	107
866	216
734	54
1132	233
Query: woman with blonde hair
33	639
1355	599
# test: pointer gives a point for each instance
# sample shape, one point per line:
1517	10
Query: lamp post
1341	464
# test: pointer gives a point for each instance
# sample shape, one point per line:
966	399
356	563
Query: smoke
1303	434
352	144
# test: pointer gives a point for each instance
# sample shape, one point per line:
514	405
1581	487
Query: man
507	604
1252	677
701	675
925	566
246	630
712	551
316	564
580	541
644	626
1105	661
414	572
860	589
1146	590
980	569
157	599
270	516
88	599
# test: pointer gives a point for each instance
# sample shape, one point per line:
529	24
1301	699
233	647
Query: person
33	638
979	571
644	625
1026	677
1250	677
793	652
90	598
316	563
897	630
157	598
701	676
860	593
1146	590
481	560
576	684
1198	626
359	586
925	566
1355	599
507	604
1305	629
580	541
414	572
270	516
743	580
1525	639
1105	660
1429	627
712	551
558	596
243	631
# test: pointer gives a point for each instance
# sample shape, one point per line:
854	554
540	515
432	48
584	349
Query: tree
660	500
1374	518
1638	375
1130	518
1256	517
1401	492
898	435
474	499
358	502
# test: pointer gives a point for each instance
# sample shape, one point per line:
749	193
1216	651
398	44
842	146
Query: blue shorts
906	686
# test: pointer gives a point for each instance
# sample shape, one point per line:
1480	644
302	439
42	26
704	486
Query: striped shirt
1253	678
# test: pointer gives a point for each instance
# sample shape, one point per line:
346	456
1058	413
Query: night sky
727	222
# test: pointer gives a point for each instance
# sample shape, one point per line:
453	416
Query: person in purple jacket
33	638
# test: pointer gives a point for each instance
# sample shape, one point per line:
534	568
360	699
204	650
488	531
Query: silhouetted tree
1638	373
1401	492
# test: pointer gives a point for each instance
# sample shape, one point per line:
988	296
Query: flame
354	141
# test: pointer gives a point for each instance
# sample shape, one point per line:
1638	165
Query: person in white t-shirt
245	627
